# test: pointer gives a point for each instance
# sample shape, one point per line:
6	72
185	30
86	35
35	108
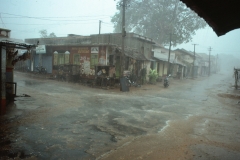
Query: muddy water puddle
7	137
65	123
231	96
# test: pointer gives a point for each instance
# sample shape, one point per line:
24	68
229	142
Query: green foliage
43	34
153	75
156	19
52	35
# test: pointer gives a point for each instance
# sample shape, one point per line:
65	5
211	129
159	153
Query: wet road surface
192	119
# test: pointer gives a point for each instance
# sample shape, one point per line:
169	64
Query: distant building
94	50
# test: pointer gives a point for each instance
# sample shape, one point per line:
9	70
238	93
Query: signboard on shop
80	50
94	49
41	49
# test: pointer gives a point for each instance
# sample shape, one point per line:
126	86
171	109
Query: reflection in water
28	82
6	149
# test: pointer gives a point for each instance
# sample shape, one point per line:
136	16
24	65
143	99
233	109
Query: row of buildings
90	55
94	52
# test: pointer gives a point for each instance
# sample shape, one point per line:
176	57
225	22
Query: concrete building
94	50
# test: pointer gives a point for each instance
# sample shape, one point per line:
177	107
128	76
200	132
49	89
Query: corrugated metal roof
162	59
15	43
133	54
166	60
179	63
184	51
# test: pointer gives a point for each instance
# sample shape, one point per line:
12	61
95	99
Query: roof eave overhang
10	44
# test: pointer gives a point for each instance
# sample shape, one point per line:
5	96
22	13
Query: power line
52	17
107	23
218	50
49	24
2	21
47	19
59	17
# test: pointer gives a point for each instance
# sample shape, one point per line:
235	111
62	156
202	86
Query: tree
51	35
157	19
43	34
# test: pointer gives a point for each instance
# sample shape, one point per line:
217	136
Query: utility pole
168	68
122	59
100	26
217	64
193	61
122	3
99	30
209	61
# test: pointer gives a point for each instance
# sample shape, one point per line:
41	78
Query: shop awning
134	54
166	60
15	44
181	64
150	59
161	59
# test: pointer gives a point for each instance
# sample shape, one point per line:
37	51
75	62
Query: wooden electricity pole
122	59
100	26
193	61
209	61
99	30
168	66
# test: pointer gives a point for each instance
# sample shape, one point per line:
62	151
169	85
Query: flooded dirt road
192	119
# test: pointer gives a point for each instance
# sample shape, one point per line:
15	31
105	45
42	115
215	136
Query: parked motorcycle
62	73
166	81
41	70
132	81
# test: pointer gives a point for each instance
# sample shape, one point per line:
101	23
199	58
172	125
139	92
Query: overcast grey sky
27	17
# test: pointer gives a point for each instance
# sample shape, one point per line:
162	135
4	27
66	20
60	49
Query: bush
153	75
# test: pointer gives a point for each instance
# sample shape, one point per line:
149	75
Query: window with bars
61	58
66	58
76	59
94	60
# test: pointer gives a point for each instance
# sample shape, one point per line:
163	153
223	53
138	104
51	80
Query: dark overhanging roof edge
17	45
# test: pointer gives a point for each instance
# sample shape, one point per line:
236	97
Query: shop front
8	58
